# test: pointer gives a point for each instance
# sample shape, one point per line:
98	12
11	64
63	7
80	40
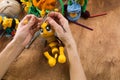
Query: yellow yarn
27	4
54	50
7	22
81	2
51	60
17	22
45	4
61	58
0	19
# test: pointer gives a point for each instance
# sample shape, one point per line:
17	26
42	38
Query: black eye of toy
41	30
48	28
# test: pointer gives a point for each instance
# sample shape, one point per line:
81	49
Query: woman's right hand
64	34
26	29
76	70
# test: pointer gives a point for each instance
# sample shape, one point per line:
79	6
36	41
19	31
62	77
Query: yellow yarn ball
10	8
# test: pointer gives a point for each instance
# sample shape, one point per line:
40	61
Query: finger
39	25
27	17
57	15
32	22
35	27
36	24
60	17
55	26
34	30
40	19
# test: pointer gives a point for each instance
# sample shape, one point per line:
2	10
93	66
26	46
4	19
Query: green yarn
8	30
84	6
34	10
62	6
70	2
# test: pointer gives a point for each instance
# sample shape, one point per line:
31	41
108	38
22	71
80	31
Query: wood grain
98	49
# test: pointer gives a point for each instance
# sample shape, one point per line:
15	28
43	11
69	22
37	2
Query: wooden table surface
99	50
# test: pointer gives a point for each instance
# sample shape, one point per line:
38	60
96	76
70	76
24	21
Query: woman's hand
61	27
76	70
26	29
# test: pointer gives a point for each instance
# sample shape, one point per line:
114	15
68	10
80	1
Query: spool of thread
10	8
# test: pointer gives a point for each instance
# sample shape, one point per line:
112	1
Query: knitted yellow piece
22	0
56	10
17	22
42	13
61	58
25	21
51	60
44	5
81	2
0	19
7	22
27	3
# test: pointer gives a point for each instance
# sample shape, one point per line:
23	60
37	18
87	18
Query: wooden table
99	50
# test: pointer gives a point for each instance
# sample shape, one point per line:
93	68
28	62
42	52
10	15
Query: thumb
58	29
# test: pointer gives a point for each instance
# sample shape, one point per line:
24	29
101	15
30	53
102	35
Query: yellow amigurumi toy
54	46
